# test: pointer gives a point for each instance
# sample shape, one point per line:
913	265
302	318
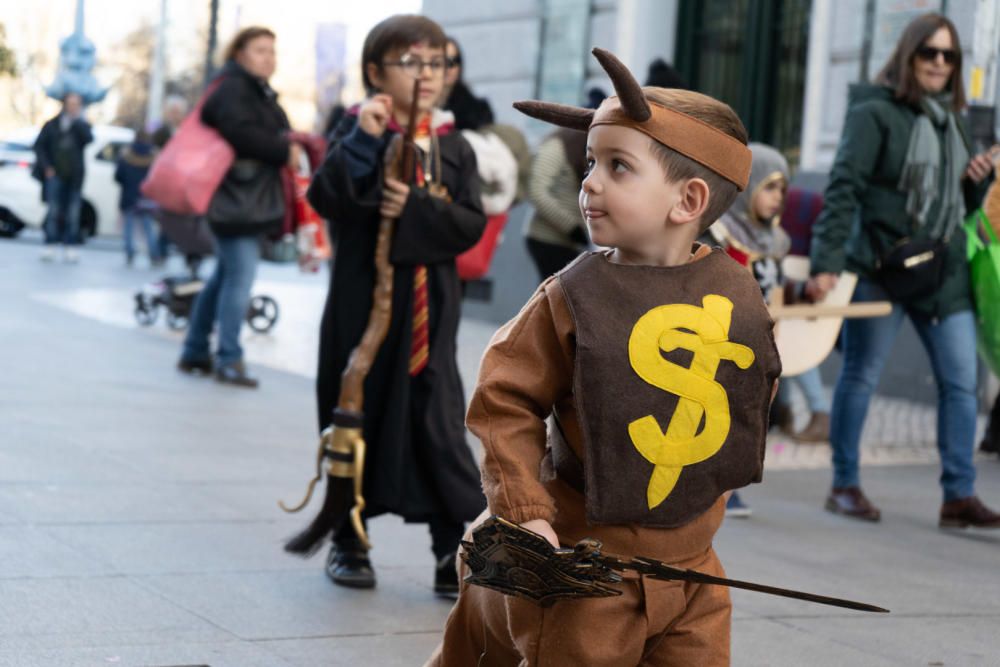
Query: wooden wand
342	444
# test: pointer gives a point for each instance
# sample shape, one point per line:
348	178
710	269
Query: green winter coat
864	213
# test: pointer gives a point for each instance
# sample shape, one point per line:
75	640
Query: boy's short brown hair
677	167
397	32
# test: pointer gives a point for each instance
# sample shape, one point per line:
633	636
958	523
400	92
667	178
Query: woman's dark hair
397	32
471	112
898	72
244	37
663	75
459	58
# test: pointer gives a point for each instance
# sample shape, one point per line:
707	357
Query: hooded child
752	234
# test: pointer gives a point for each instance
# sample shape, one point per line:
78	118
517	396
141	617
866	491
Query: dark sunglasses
453	62
930	54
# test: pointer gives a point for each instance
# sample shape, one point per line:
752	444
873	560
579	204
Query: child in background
130	172
418	464
750	232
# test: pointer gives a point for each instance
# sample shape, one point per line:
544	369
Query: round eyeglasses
414	66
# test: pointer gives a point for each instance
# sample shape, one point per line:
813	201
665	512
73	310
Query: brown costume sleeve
526	370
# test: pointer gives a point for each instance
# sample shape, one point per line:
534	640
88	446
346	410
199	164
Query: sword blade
660	570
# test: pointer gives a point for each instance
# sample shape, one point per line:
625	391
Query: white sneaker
48	254
71	256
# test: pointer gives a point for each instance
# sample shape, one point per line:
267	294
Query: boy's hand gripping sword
342	444
515	561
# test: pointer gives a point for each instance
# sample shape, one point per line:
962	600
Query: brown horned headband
695	139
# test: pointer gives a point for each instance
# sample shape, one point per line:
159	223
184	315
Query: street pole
157	80
213	29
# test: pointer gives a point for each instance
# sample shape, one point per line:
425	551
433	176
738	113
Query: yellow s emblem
705	332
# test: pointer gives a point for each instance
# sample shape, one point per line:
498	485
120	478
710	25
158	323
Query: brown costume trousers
652	624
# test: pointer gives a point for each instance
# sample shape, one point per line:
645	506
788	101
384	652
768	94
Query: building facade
784	65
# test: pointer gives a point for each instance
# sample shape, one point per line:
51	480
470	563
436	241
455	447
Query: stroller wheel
145	312
262	313
175	321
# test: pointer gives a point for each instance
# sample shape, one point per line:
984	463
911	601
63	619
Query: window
751	55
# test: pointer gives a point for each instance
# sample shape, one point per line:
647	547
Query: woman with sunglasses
902	181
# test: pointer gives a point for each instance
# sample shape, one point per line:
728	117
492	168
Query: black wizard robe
418	463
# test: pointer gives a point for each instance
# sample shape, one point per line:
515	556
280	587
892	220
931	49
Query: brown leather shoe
968	512
851	502
818	429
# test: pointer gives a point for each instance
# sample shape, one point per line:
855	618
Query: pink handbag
189	169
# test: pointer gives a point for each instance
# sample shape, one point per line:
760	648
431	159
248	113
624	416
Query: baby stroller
177	293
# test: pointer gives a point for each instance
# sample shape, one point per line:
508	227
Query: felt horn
629	91
574	118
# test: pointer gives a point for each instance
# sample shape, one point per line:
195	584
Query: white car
21	195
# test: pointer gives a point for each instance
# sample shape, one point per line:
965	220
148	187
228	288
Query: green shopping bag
984	268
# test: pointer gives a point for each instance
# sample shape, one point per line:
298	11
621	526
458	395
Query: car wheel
10	224
88	221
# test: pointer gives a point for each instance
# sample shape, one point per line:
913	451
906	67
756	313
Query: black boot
991	439
348	565
195	366
446	577
236	374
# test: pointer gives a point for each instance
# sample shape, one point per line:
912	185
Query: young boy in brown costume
656	363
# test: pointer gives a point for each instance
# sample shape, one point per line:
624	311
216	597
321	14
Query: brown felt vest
673	377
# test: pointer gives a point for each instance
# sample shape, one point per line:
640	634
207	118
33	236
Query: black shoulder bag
911	268
249	200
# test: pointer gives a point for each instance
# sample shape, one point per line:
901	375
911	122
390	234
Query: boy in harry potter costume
629	394
418	463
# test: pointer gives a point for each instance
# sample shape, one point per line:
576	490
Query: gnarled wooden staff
342	443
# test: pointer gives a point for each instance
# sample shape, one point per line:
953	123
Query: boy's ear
694	195
374	73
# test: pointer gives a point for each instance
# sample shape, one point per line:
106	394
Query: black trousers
550	258
446	533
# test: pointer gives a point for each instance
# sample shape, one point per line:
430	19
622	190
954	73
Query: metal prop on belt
342	443
515	561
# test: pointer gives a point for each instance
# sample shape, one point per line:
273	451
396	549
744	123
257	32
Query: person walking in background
475	113
175	109
556	233
59	161
131	170
245	111
901	183
663	75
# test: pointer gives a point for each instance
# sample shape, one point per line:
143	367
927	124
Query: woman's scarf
932	175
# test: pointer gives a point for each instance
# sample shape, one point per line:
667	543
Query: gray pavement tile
768	643
281	605
28	551
924	640
39	458
159	652
66	503
228	463
98	611
390	650
208	547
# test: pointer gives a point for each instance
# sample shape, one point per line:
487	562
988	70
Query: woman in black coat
245	111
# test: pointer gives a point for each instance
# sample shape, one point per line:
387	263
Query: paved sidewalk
139	524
